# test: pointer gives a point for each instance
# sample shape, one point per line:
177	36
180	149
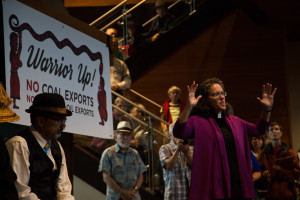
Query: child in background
172	107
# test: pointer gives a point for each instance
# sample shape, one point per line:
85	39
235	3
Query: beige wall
84	191
292	51
237	50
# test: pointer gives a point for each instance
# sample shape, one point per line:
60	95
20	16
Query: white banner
45	55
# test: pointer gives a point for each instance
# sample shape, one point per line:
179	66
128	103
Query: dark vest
43	181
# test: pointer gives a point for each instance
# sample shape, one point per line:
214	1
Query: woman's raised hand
192	100
267	99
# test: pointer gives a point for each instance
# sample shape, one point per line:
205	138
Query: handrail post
124	11
150	133
192	7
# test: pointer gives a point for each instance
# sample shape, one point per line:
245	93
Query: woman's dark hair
202	108
260	138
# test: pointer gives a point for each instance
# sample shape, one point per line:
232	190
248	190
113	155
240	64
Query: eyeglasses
218	94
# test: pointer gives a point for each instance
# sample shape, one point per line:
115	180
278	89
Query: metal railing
125	13
149	125
139	121
145	111
94	23
156	16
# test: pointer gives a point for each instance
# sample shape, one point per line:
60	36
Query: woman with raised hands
222	165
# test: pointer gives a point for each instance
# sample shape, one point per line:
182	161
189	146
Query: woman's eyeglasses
218	94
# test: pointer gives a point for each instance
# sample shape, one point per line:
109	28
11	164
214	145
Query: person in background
118	116
262	185
298	156
256	171
221	164
7	175
257	146
140	142
113	33
172	107
280	165
176	159
119	73
98	145
140	139
122	167
37	157
162	23
137	113
135	39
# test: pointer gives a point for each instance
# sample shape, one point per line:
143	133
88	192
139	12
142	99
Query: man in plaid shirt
176	159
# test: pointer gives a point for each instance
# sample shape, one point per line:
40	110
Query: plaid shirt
177	181
123	168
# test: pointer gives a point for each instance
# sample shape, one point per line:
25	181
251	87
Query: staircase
208	12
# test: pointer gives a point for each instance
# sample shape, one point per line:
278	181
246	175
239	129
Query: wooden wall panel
243	54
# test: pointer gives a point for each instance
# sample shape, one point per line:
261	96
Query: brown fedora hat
49	103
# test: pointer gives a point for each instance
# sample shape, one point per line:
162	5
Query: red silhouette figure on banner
14	57
102	101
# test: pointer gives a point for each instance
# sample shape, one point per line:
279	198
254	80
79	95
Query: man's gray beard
124	145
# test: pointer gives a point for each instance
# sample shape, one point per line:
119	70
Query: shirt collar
38	137
119	150
173	145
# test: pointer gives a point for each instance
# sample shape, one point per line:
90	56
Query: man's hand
185	149
114	87
179	145
128	194
277	167
266	173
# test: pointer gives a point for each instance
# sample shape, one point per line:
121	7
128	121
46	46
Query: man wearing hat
162	23
122	167
37	157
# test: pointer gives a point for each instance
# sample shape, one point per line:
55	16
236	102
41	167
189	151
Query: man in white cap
122	167
162	23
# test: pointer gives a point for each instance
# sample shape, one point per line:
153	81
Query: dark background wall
237	50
